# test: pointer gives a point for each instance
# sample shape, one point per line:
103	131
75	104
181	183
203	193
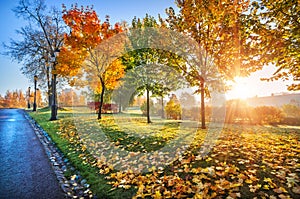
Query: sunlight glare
241	89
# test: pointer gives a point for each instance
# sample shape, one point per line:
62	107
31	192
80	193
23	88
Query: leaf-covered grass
246	162
73	151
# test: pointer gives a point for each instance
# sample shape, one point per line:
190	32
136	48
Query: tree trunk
54	99
49	99
203	126
101	101
49	87
162	108
120	108
148	106
120	104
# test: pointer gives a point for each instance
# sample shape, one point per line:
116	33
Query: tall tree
41	38
82	44
14	99
39	99
279	30
2	102
221	31
124	94
22	99
187	100
148	67
9	99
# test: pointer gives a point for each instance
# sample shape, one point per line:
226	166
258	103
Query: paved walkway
25	170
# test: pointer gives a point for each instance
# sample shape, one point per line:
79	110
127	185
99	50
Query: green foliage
150	69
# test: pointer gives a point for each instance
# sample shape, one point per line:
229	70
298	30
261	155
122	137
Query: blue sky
11	77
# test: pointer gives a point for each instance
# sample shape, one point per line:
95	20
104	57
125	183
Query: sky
11	77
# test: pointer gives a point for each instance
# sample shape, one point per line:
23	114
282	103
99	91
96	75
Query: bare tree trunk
101	101
49	88
54	98
162	108
203	126
148	106
120	104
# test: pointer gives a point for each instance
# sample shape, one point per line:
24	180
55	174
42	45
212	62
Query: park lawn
122	156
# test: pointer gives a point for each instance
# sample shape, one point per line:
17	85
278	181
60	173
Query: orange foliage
86	33
110	77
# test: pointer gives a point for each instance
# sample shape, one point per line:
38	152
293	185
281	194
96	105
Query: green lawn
122	156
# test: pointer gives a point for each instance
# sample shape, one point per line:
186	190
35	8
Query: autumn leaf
296	189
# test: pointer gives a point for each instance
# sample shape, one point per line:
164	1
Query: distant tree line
69	97
19	99
237	111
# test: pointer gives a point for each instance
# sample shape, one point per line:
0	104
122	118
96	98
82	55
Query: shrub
291	111
266	115
173	109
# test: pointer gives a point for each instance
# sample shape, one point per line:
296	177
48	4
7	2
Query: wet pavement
25	170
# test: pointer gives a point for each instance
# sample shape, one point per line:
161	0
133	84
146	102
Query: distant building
275	100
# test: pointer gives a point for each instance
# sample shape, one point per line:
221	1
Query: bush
173	110
266	115
291	121
291	111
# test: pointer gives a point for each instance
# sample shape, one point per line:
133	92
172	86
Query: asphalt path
25	170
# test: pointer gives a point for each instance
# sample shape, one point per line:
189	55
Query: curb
76	186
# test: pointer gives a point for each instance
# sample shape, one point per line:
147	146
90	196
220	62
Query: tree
67	97
144	108
9	99
168	80
21	99
221	29
83	44
173	108
147	78
278	28
39	99
267	115
147	67
187	100
41	39
291	110
2	102
13	99
124	94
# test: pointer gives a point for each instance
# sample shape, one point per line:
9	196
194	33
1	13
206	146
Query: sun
241	88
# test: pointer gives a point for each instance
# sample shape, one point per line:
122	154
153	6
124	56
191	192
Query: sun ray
241	89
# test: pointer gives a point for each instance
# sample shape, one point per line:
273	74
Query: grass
246	161
97	182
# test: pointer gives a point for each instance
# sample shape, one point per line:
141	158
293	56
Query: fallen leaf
296	190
